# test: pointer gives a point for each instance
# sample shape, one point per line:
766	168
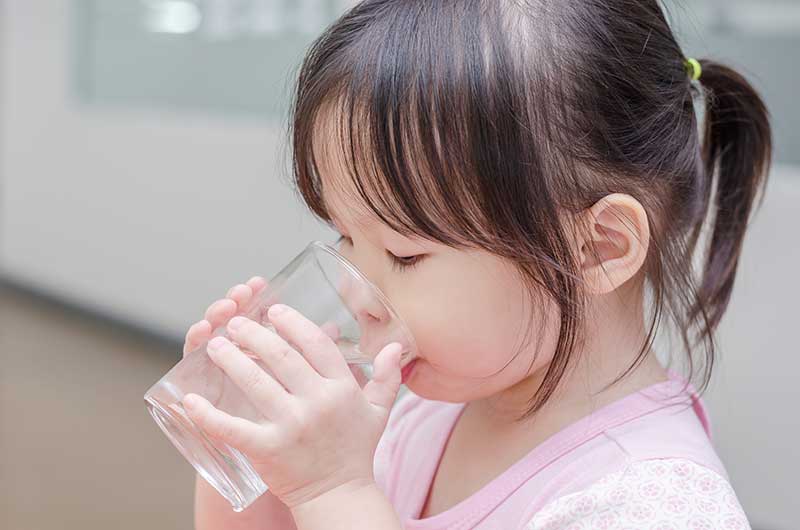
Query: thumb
382	389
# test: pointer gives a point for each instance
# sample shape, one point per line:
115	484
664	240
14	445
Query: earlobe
614	242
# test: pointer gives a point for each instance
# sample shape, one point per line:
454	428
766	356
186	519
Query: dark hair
473	123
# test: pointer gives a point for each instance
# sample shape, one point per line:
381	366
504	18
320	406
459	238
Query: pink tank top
644	459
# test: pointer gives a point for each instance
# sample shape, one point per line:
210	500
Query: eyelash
398	263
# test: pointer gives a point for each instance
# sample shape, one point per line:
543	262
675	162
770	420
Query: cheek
470	325
486	359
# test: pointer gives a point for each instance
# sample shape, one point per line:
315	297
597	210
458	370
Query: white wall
145	214
81	186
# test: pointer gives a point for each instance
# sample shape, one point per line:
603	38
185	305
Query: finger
237	432
220	312
264	392
386	377
198	333
246	295
286	363
256	283
331	330
316	346
240	293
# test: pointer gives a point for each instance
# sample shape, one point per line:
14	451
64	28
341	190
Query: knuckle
297	419
193	330
209	424
269	442
324	410
233	290
280	354
275	444
209	314
228	433
286	437
331	395
319	340
254	379
341	392
345	391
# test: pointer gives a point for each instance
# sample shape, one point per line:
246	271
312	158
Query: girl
527	184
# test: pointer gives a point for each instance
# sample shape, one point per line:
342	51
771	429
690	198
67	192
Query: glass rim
354	270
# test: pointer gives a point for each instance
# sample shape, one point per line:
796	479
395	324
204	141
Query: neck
615	333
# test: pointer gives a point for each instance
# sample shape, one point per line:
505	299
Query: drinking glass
328	290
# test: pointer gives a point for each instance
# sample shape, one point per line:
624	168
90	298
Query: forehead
344	211
341	201
338	193
336	158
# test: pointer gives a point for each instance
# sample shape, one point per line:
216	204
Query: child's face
467	310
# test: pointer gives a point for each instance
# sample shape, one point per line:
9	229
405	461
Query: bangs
386	165
403	125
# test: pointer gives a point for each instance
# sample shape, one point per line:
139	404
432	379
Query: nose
365	305
371	310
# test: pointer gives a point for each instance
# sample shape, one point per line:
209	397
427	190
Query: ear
613	245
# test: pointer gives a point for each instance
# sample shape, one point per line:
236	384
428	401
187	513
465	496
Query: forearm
348	507
213	512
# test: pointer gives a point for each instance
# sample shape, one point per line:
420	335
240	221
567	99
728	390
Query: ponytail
738	145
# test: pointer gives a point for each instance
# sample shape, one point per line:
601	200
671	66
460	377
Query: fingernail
277	309
236	322
216	343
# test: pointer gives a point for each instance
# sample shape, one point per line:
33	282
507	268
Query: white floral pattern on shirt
656	494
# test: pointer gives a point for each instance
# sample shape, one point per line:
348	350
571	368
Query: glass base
222	466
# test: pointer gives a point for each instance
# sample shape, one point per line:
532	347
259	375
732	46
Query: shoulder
670	493
672	432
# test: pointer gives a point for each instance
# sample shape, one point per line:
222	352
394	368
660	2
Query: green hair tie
693	68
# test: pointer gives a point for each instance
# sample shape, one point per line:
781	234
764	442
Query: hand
221	311
236	300
322	429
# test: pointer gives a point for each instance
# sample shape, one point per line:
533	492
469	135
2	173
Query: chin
433	390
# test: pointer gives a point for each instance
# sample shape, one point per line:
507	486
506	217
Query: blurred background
144	171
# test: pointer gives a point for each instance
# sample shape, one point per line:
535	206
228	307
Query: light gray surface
150	214
761	39
755	394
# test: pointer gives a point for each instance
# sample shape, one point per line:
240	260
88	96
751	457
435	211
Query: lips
407	369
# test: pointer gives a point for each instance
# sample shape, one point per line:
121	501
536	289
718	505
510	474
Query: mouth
407	370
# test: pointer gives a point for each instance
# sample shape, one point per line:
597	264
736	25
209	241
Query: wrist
346	490
355	505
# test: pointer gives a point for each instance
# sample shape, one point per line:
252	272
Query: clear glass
328	290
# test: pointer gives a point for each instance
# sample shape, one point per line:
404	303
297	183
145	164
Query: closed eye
400	263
